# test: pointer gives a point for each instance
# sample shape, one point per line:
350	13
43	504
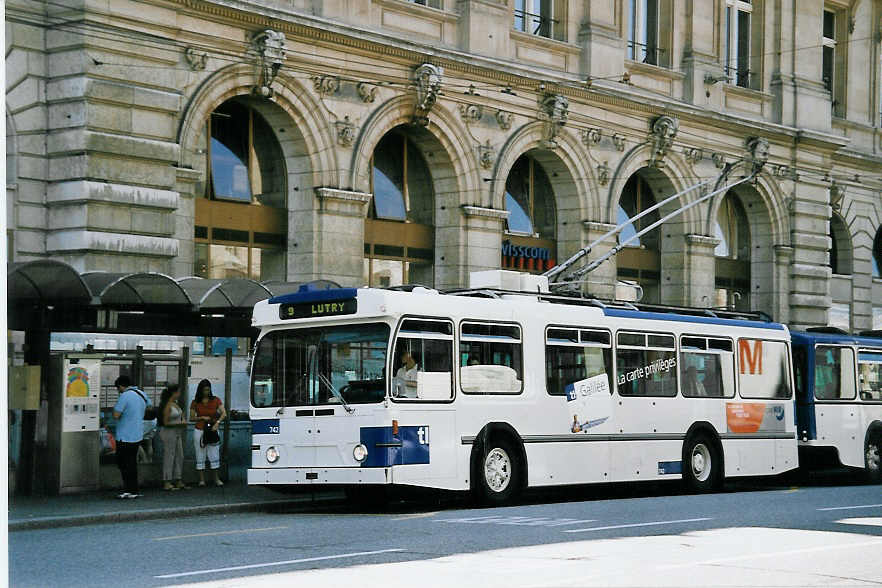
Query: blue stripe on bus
313	295
265	427
680	318
410	446
869	356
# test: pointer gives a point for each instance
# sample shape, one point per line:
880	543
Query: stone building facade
387	141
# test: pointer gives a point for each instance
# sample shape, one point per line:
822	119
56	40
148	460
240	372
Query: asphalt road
771	532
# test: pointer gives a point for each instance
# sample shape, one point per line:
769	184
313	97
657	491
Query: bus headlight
359	452
272	455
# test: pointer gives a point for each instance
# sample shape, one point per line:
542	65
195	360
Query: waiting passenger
406	376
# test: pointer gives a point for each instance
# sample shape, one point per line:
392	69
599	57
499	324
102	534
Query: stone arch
571	180
674	177
767	217
452	165
452	162
308	149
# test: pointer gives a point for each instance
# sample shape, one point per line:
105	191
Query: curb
167	513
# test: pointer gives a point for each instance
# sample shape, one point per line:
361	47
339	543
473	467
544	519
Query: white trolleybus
839	398
496	390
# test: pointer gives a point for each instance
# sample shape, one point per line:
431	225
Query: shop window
739	38
399	235
529	244
732	255
241	218
640	261
540	17
649	28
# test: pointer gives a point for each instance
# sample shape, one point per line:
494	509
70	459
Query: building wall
106	103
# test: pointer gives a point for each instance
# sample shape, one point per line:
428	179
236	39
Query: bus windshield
299	367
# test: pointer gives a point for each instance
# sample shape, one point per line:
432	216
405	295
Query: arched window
640	260
241	216
877	254
530	229
530	199
840	247
733	255
399	233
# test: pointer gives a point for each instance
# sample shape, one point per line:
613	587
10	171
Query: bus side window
870	375
834	373
422	366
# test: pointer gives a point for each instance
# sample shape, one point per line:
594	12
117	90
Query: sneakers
218	482
128	495
201	483
168	486
181	486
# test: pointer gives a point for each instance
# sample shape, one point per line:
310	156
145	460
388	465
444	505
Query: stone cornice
480	211
343	195
186	174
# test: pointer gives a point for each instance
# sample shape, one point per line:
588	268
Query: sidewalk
44	512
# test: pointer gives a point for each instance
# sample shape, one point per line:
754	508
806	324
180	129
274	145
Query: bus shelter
48	296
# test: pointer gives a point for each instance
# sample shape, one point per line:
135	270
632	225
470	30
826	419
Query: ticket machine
73	443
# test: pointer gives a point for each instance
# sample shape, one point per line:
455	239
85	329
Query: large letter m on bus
750	360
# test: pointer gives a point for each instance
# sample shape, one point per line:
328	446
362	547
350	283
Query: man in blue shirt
129	412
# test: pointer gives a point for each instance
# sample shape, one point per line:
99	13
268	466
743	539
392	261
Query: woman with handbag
172	429
208	412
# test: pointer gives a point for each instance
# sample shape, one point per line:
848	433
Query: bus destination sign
317	309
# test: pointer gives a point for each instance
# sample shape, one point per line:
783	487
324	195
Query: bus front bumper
292	476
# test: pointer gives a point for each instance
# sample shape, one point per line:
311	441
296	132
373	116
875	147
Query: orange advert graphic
744	418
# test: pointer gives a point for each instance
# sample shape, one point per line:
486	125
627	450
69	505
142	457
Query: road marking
218	533
517	520
850	507
870	521
277	563
636	525
420	515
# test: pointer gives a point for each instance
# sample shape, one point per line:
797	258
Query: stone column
809	270
603	49
337	243
699	270
601	282
482	245
184	220
781	283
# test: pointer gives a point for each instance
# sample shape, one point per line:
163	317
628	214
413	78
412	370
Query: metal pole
228	394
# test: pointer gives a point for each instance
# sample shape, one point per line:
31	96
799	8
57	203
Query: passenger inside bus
691	385
405	382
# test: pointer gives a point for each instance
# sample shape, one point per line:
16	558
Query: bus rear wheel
702	463
498	473
873	458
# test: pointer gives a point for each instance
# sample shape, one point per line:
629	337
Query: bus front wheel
702	463
498	473
872	458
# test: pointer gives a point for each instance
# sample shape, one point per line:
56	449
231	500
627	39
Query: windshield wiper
335	392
